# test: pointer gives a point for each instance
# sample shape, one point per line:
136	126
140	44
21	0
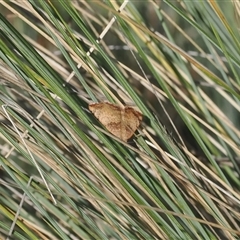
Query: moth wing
131	121
109	115
121	122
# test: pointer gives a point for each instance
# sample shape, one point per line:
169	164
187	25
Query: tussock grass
63	176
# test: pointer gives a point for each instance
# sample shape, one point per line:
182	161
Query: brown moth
122	122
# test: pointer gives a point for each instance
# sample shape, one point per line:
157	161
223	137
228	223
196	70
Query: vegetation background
63	176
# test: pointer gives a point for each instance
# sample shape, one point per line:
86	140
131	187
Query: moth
122	122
